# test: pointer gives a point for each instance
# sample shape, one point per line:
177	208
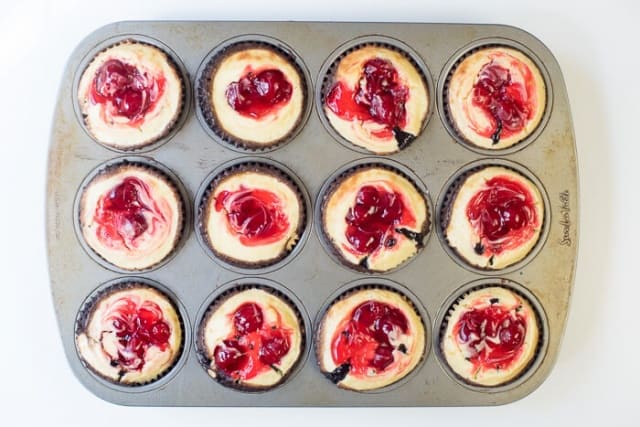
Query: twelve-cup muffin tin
310	275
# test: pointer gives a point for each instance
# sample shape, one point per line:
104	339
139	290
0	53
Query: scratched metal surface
433	277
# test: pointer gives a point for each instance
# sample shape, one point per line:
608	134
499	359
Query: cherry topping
138	327
274	348
253	346
378	96
503	213
230	356
255	215
381	92
493	334
258	94
383	357
373	218
247	318
365	340
130	92
503	100
120	213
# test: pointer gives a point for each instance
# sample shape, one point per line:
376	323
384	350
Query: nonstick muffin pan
433	279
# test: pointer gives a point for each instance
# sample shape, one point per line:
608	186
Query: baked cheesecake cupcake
377	99
374	218
491	336
251	338
129	334
130	95
494	217
252	215
131	215
369	338
495	97
253	95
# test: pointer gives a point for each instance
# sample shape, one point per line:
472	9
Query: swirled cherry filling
126	90
503	214
254	345
120	213
506	102
256	216
367	338
378	96
257	94
493	336
374	217
138	325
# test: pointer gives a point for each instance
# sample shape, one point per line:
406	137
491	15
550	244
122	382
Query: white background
596	379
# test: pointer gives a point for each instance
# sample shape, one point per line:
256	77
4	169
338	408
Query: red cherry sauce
506	102
373	219
139	325
254	346
493	334
378	96
503	214
126	90
120	213
258	94
255	215
364	339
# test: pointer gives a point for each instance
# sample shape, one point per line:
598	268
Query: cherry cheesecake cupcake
376	98
131	95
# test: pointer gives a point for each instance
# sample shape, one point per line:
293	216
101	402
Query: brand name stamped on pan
565	221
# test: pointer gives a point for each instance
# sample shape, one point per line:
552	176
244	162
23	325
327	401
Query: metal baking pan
434	278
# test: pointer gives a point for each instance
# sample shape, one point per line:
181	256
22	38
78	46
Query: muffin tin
434	278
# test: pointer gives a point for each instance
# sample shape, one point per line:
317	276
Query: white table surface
595	380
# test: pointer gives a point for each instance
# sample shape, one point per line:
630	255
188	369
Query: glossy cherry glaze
494	336
127	90
253	346
256	215
374	217
138	325
120	213
378	96
503	100
503	213
258	94
368	337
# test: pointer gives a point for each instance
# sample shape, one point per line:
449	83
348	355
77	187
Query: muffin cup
230	289
172	127
445	205
333	182
326	80
206	114
443	94
452	302
352	288
154	167
253	164
127	283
